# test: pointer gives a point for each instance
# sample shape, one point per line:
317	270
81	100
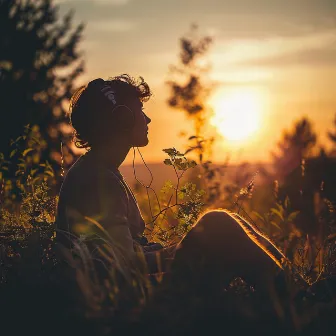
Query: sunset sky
275	60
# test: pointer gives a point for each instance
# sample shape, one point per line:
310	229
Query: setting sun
237	113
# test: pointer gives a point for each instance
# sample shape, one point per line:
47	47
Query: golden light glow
237	113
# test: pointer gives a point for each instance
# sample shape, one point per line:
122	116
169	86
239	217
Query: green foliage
178	160
177	207
190	210
37	208
28	208
25	163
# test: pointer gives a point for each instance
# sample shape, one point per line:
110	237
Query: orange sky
284	50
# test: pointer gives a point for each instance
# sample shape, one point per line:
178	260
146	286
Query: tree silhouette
39	62
189	85
292	167
293	148
332	137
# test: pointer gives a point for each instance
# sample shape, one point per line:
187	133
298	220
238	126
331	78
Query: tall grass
110	293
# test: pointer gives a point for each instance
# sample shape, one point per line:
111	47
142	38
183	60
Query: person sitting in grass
109	120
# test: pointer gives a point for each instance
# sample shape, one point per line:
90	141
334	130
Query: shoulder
87	172
90	180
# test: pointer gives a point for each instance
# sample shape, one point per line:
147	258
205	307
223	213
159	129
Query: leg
221	246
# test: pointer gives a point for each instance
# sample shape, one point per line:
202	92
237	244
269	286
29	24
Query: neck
111	155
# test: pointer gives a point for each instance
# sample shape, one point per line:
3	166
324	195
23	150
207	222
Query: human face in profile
139	132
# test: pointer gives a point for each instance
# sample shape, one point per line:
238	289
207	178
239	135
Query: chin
142	143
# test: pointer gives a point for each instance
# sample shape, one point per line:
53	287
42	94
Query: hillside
162	173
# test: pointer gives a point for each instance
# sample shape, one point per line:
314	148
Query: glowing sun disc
237	114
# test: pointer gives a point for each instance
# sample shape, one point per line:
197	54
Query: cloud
98	2
258	52
113	25
225	19
310	57
112	2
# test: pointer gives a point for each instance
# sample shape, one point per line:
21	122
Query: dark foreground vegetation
49	289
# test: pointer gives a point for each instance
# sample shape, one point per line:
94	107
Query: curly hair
87	119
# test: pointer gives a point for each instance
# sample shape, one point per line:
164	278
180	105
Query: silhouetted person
108	117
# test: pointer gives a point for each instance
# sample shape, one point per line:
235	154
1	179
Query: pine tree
293	148
332	137
39	62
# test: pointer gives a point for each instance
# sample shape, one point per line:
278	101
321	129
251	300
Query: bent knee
220	227
214	218
215	215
